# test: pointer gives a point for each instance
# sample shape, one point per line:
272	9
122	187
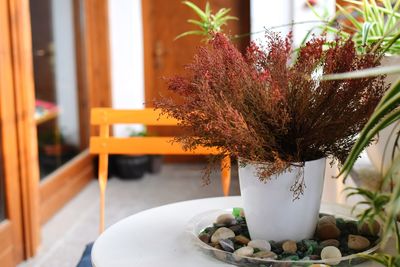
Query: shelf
50	115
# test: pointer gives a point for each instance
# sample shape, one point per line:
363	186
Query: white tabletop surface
156	237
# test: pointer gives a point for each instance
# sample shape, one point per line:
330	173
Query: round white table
157	237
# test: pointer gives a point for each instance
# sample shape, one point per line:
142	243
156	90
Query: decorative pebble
330	242
241	239
351	228
242	213
221	255
262	245
243	252
357	242
216	245
327	219
328	231
225	219
205	238
227	245
265	255
331	252
230	234
371	229
236	229
289	246
222	233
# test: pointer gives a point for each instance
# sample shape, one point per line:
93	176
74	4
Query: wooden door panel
165	57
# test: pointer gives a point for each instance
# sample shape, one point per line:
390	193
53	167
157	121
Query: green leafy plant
380	205
208	22
370	22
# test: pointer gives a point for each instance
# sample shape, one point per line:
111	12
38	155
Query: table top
157	236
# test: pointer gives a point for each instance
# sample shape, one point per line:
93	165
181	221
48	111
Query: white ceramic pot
272	213
380	152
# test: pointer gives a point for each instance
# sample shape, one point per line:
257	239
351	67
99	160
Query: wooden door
11	238
164	57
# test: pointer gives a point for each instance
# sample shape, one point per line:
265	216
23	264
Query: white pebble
243	252
222	233
331	252
262	245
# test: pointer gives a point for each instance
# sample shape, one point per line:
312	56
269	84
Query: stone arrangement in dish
334	238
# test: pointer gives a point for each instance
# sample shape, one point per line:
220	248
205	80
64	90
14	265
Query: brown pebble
327	219
242	239
205	238
225	219
216	245
330	242
328	231
314	257
265	255
372	228
357	242
289	246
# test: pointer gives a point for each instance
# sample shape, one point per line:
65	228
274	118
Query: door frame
33	203
12	235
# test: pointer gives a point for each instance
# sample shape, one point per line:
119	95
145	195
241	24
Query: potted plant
373	23
274	113
381	205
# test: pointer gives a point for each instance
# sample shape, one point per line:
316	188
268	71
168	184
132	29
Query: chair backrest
153	145
103	145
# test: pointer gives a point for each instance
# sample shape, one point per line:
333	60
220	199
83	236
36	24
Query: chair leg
103	176
226	175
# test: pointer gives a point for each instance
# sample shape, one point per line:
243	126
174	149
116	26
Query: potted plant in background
279	118
373	23
135	166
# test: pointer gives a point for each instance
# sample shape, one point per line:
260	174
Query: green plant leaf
208	10
190	33
393	207
196	22
350	17
365	30
372	72
196	9
390	44
222	12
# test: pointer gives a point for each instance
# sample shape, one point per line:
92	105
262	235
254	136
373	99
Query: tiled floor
64	237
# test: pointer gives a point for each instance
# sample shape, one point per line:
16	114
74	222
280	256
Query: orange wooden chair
103	145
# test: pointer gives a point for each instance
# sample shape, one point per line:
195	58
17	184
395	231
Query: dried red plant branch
263	108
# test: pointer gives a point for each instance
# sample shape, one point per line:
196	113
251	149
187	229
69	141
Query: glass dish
205	219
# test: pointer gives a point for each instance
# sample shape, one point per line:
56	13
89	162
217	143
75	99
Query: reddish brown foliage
263	108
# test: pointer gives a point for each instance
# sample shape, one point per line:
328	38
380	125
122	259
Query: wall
125	19
280	14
